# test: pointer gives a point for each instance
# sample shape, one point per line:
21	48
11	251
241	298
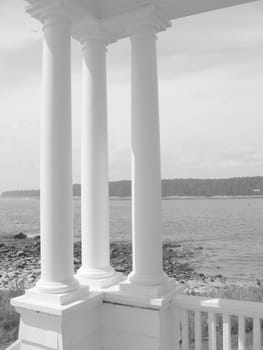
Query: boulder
20	235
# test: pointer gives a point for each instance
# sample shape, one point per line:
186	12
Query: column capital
43	9
149	20
91	30
130	23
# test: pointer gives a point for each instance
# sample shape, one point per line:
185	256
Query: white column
56	162
146	172
96	269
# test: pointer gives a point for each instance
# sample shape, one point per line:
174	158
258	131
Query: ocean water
225	233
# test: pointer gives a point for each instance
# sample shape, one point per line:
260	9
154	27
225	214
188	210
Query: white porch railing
213	324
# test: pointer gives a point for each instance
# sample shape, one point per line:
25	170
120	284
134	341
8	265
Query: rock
20	235
120	269
37	244
36	238
4	250
18	264
76	261
20	253
2	245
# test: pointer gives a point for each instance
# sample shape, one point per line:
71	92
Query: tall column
146	173
96	269
55	159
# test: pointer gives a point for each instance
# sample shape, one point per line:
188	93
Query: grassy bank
9	318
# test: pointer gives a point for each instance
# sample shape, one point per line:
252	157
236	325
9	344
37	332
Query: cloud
211	163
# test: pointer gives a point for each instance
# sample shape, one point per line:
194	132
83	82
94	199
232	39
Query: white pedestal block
45	325
108	320
133	326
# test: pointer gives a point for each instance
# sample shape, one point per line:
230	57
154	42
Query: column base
98	279
147	291
148	280
147	286
38	296
63	287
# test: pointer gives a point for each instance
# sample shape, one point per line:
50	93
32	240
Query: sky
210	89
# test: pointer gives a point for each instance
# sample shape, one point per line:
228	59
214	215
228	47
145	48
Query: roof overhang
112	19
171	8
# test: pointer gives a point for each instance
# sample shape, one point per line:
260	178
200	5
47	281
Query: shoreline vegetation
20	269
163	198
186	188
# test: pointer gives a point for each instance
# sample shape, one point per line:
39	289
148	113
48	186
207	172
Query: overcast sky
211	97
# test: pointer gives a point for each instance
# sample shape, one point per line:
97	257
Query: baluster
185	330
241	333
226	332
256	334
177	331
198	334
211	331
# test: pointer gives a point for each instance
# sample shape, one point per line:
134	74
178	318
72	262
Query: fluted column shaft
146	173
55	159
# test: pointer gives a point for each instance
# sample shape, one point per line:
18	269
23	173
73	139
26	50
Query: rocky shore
20	264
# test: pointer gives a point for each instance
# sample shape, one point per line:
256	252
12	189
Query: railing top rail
221	306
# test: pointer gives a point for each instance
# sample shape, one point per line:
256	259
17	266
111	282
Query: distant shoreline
174	188
163	198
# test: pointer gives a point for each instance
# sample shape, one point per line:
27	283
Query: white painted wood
211	331
55	159
95	270
256	334
231	307
146	171
198	331
115	15
139	321
185	329
113	8
226	332
15	346
177	331
175	9
241	333
45	325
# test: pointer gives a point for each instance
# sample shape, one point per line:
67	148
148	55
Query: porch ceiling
171	8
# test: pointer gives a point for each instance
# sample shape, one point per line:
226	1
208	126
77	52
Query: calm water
229	230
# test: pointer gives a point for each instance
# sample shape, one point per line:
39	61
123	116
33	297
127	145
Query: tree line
236	186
